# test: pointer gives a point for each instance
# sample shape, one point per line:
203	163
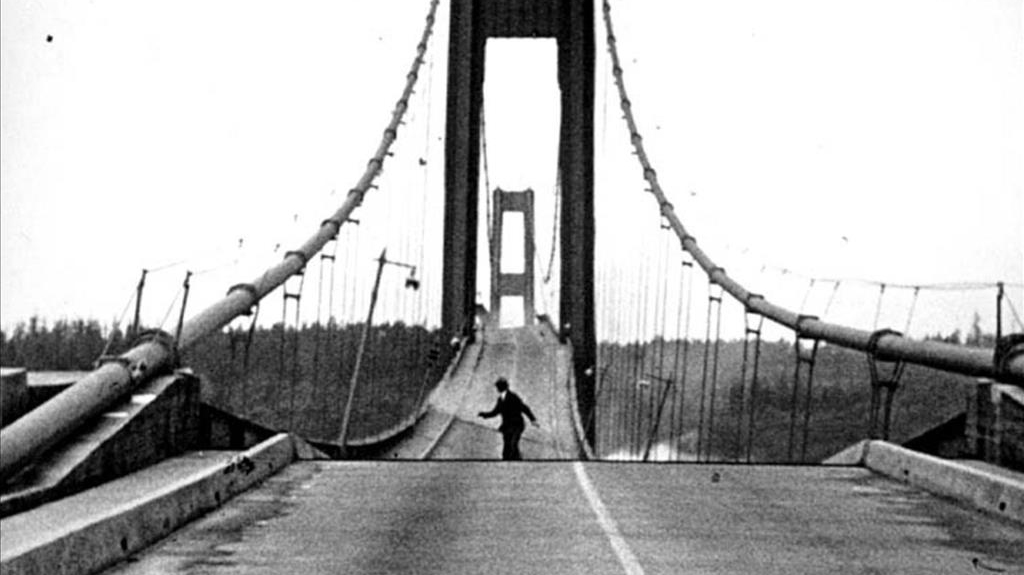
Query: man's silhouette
511	409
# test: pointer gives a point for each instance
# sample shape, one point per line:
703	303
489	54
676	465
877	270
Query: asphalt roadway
595	518
472	514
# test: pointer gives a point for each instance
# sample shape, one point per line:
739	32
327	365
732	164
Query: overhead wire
1013	310
116	328
170	308
964	285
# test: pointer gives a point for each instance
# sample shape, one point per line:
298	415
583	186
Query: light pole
410	282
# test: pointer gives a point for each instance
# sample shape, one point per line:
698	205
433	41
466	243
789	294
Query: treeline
66	345
976	337
705	401
285	378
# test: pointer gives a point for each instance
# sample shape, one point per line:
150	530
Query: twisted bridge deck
570	517
538	369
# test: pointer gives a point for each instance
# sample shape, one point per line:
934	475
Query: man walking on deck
511	409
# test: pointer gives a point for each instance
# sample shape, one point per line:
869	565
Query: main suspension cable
950	357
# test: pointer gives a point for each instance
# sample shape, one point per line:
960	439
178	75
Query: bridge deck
537	368
594	518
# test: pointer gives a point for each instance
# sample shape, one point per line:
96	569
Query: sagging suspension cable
941	356
222	312
17	447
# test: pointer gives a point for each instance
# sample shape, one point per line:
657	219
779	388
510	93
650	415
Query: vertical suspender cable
878	308
184	303
247	354
59	417
913	304
296	371
116	328
999	313
808	409
704	376
950	357
642	360
831	298
636	363
136	323
807	294
752	406
793	400
714	369
682	341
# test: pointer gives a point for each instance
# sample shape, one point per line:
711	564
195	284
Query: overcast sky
879	140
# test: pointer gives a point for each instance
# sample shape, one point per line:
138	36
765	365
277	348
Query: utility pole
410	282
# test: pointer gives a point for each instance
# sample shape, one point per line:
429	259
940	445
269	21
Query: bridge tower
506	284
571	24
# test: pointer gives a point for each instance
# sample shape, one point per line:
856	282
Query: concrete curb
852	455
994	494
94	529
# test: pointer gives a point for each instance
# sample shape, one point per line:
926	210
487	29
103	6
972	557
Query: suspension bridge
324	415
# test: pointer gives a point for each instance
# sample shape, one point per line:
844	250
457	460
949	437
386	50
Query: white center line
619	545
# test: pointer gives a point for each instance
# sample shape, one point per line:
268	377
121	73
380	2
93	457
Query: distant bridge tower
506	284
571	23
